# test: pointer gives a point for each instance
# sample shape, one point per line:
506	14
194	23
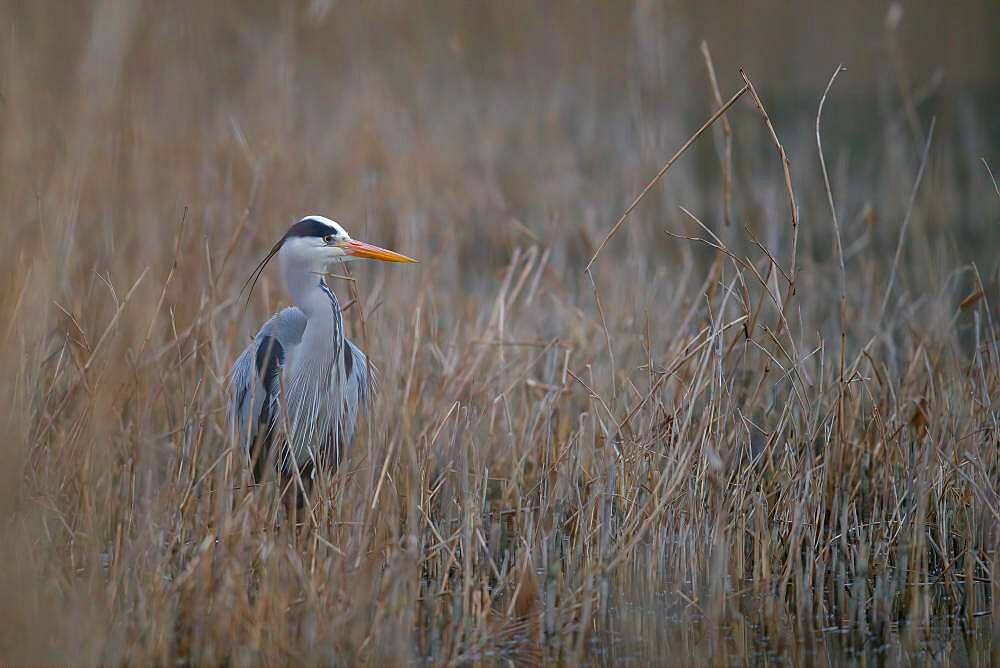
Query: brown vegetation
776	437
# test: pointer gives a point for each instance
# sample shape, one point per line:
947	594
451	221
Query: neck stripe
338	320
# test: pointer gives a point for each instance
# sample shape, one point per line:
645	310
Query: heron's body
297	389
258	378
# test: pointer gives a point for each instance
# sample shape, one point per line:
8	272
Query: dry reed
751	478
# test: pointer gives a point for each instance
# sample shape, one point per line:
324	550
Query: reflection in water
670	627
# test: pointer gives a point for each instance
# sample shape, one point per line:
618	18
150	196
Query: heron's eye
329	239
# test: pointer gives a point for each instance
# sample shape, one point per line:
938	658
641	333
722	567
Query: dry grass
728	443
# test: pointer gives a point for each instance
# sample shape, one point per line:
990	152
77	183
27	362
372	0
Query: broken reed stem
792	206
663	170
840	258
727	132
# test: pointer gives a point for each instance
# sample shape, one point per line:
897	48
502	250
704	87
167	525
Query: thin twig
607	333
829	193
663	170
992	178
114	319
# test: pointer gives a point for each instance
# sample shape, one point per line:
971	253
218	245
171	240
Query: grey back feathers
302	395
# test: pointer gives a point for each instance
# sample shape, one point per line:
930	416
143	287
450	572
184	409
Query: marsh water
661	629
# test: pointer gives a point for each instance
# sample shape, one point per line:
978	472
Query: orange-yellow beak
361	249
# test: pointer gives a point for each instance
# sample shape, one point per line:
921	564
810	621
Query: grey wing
360	385
243	388
256	378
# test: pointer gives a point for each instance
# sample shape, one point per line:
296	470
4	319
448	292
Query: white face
315	243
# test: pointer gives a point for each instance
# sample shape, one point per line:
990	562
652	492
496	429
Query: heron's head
315	243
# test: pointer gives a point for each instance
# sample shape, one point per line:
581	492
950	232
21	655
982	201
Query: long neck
310	293
315	384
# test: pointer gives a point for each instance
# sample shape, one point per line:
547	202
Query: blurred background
473	114
460	131
151	152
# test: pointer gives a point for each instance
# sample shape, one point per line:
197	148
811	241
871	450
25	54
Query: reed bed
762	426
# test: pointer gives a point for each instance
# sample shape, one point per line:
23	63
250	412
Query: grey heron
297	389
